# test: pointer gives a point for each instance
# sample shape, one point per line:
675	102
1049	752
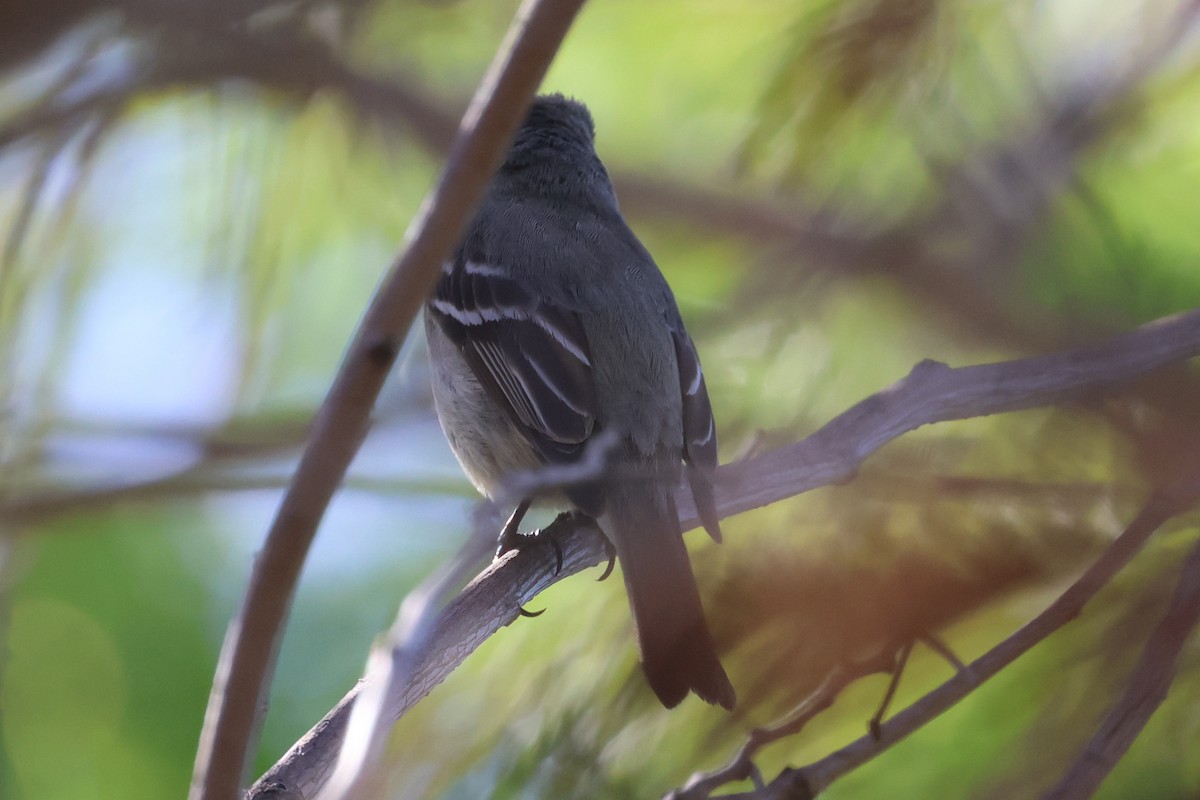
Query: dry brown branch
931	393
1146	689
239	686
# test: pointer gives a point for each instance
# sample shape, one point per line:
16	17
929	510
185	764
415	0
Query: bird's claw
612	560
510	538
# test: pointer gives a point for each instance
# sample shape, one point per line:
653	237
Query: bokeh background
197	200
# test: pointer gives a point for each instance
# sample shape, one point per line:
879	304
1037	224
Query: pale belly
484	439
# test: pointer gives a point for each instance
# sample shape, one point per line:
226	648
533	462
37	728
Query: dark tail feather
706	504
677	649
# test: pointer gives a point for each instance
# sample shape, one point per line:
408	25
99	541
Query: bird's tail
677	649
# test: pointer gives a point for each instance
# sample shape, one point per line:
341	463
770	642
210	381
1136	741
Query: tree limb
931	393
247	658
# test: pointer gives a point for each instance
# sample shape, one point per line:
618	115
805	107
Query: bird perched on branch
550	327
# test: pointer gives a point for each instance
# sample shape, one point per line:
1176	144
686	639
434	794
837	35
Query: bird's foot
510	537
519	541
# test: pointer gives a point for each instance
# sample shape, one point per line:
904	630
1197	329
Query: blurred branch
957	256
391	668
301	68
251	644
194	53
246	453
1146	689
934	392
811	780
200	480
228	447
36	182
931	393
742	767
490	602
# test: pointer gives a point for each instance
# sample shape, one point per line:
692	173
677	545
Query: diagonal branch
390	670
742	767
931	393
251	644
811	780
486	605
1145	691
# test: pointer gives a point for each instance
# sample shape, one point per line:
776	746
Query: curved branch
248	655
931	393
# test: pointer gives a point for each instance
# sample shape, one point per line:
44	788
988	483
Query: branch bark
247	658
931	393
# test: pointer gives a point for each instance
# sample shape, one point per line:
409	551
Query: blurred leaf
111	644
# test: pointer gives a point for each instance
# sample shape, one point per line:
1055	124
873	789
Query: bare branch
247	657
391	668
741	767
1145	690
486	605
393	662
811	780
931	393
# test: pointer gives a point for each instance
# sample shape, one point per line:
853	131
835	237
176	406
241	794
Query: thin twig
1145	690
701	785
811	780
937	645
248	655
898	666
741	766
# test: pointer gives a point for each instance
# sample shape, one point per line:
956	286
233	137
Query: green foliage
109	649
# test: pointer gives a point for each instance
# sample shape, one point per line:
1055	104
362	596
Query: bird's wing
531	354
699	429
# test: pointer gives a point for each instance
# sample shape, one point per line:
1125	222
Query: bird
550	327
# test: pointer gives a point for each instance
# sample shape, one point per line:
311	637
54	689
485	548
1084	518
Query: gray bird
552	324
